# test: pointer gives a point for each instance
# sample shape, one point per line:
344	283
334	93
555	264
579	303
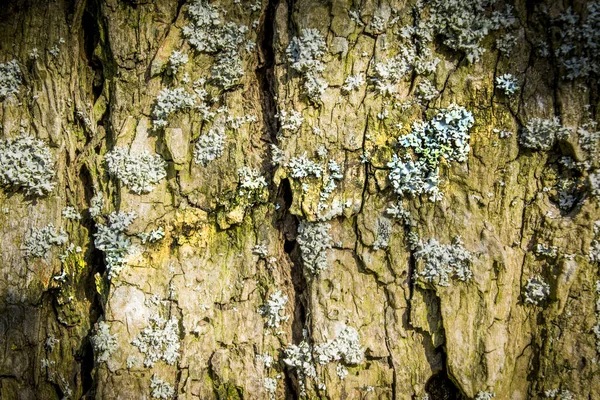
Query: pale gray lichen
594	252
154	236
251	181
305	53
426	91
387	74
290	120
596	328
270	385
314	240
300	358
159	341
383	234
210	146
26	163
409	177
96	204
176	60
594	181
302	167
208	34
579	42
139	172
10	79
71	213
103	343
542	134
161	389
168	102
273	310
344	348
485	395
506	43
546	251
334	174
277	155
536	290
558	394
443	261
112	240
507	83
40	241
464	24
353	82
445	135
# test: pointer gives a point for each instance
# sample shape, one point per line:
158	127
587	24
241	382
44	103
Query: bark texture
99	92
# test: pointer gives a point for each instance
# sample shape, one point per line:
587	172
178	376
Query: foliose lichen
26	163
314	240
446	136
103	343
443	261
40	241
112	240
305	53
536	290
542	134
138	172
10	79
159	341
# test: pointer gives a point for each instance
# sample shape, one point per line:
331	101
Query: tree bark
99	92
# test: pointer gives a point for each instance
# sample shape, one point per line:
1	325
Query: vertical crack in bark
265	73
90	38
288	226
287	223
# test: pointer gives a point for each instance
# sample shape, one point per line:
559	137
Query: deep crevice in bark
288	227
91	37
265	73
441	387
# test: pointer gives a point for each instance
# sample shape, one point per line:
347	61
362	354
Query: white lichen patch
290	120
444	136
26	163
161	389
578	42
314	240
304	54
176	60
159	341
10	79
274	310
103	343
345	349
484	395
507	84
39	242
170	101
542	134
71	213
208	33
112	240
251	181
353	82
209	146
138	172
536	290
443	261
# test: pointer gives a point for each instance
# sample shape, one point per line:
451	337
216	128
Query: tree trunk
187	311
